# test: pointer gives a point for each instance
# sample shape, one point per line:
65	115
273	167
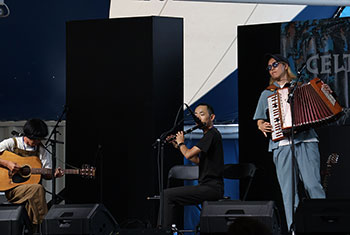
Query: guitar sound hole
25	171
17	178
22	175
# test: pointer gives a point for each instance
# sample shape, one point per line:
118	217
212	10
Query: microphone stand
159	144
53	143
291	102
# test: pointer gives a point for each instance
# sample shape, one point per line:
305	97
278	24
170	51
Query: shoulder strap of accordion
272	87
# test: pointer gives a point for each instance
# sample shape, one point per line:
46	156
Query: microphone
17	134
195	118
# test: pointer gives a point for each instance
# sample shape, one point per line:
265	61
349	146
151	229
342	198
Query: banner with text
320	48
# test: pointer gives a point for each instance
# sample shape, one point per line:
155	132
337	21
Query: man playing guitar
33	195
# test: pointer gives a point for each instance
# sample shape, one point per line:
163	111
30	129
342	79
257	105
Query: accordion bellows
313	105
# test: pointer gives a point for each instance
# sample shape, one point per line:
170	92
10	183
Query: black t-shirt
211	163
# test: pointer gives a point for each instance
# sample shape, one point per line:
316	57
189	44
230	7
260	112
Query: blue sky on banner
346	12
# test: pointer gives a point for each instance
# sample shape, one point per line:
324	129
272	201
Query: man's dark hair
209	107
35	129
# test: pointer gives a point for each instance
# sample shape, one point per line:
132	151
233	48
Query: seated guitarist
33	195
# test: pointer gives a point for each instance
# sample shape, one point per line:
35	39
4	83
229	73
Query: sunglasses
273	65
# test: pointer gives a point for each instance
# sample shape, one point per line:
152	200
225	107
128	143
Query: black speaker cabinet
79	219
216	217
323	216
14	220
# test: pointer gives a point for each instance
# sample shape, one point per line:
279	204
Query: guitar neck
47	171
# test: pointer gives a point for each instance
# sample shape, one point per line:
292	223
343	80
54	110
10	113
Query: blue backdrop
33	49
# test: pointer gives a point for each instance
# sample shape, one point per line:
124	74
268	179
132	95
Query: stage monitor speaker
217	216
322	216
79	219
14	220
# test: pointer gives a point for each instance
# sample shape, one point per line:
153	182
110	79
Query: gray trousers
307	167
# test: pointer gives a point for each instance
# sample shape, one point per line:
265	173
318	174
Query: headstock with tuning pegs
332	159
87	171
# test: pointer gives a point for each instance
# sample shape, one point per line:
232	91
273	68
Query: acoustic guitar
31	171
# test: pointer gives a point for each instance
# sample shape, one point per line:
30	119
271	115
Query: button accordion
313	105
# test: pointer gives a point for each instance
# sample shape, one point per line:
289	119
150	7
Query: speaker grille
79	219
217	216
